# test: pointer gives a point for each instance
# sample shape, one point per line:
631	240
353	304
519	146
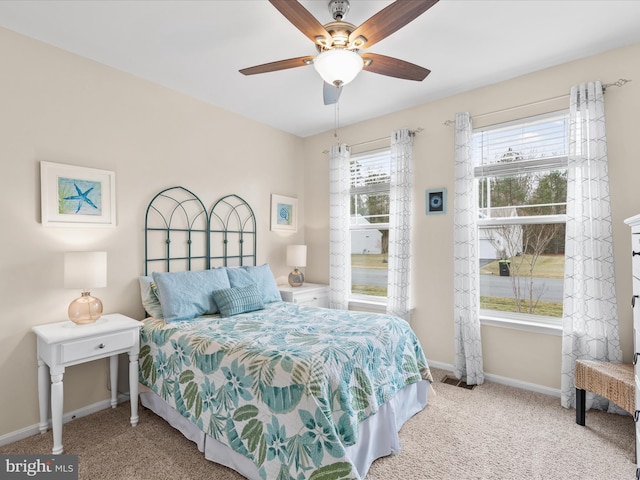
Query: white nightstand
64	344
308	294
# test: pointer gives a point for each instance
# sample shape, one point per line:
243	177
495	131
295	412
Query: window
369	192
521	180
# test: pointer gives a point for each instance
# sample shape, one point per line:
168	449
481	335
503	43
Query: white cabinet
634	223
313	294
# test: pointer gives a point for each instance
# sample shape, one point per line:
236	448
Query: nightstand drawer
316	299
99	346
313	294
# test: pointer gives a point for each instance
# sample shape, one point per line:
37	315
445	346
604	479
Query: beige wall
58	107
527	357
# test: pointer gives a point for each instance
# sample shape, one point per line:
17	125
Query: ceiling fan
338	43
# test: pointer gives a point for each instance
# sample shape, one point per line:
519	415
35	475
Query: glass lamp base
85	309
296	278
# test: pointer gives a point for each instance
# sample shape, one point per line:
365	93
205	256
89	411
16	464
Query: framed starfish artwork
75	196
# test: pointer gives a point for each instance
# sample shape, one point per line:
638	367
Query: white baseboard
67	417
511	382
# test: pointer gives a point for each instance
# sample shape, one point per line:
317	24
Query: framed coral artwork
284	213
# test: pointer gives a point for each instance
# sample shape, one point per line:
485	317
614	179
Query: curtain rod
388	137
620	83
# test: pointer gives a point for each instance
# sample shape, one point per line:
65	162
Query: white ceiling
197	47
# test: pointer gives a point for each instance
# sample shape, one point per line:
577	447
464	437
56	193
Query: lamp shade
85	270
338	66
297	255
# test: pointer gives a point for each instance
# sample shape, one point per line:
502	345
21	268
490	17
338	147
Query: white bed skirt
378	434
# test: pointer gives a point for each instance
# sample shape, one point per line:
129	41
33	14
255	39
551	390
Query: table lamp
296	257
85	270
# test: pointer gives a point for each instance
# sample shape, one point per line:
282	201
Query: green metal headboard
232	232
181	235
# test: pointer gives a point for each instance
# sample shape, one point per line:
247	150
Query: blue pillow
149	296
260	276
232	301
185	295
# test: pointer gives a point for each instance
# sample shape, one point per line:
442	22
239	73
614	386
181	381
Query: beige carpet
491	432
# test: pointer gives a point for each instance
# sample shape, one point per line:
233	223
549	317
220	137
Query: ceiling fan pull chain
336	120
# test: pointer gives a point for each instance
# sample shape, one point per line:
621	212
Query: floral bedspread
285	386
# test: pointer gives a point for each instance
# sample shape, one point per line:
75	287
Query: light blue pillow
149	297
185	295
260	276
232	301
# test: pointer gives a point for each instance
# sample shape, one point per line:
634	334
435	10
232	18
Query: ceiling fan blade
393	67
331	93
390	19
303	20
279	65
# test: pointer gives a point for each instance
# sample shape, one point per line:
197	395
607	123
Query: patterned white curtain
468	346
339	235
400	202
590	317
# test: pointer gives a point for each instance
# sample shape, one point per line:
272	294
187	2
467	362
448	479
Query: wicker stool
613	381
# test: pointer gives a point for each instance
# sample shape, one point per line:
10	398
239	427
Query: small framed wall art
284	213
74	196
436	201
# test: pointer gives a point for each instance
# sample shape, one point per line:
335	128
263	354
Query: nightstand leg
113	374
57	395
43	395
133	387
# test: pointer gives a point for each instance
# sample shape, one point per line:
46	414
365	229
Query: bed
271	389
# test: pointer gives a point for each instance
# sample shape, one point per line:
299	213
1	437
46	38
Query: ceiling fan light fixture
338	66
358	42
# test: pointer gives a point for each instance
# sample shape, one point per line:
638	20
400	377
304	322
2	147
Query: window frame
522	321
359	300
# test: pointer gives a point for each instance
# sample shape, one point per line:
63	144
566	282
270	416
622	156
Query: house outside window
369	225
521	180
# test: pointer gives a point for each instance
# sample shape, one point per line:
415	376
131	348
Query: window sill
547	328
551	327
366	304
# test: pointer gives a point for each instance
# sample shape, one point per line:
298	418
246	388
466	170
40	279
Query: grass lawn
549	309
547	266
369	290
370	260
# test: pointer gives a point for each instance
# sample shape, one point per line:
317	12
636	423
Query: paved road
550	289
369	276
